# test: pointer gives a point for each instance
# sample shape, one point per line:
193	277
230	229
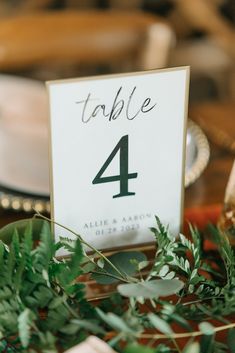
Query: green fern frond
25	321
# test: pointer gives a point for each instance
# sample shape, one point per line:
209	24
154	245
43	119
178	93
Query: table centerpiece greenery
182	303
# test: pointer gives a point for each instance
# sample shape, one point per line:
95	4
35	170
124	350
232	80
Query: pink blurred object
91	345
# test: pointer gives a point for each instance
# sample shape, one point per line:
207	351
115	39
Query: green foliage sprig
43	305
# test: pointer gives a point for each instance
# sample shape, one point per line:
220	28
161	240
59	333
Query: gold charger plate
17	201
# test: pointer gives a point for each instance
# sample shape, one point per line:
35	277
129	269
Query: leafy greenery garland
43	307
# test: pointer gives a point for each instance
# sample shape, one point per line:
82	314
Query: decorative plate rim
203	154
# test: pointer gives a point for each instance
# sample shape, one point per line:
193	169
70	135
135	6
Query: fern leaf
25	321
45	250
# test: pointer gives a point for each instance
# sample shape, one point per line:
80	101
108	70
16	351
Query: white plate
23	135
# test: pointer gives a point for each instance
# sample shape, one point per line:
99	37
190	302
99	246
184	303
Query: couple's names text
119	106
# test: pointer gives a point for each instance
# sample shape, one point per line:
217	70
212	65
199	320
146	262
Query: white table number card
117	154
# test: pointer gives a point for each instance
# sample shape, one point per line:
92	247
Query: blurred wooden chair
124	41
11	8
207	60
212	56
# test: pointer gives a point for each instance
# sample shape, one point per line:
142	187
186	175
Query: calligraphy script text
119	105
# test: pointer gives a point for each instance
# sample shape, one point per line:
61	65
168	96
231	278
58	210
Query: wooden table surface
208	191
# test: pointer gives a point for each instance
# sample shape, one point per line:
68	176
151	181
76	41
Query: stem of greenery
185	334
123	277
108	275
176	345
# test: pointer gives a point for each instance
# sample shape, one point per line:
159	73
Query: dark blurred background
202	36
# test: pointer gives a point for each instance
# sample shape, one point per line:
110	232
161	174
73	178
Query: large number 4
124	176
